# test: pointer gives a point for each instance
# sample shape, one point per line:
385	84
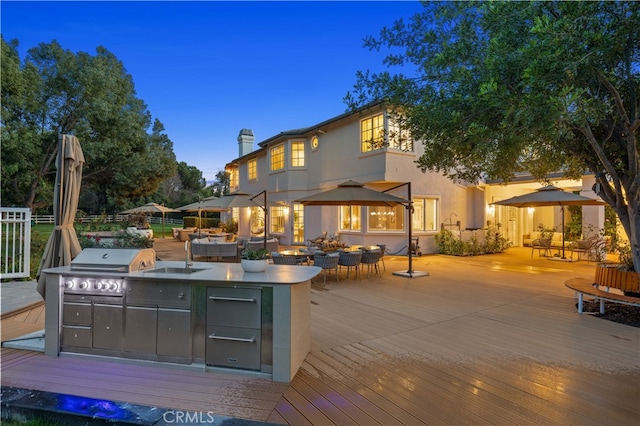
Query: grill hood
114	260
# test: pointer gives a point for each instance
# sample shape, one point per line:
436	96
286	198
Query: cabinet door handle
232	299
234	339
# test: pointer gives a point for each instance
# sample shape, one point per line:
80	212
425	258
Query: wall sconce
531	210
491	209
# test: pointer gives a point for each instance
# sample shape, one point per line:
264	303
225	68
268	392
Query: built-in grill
93	301
114	260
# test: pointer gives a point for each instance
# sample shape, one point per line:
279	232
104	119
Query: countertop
207	271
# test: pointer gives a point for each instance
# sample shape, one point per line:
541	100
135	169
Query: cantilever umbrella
209	204
151	208
63	245
550	195
352	193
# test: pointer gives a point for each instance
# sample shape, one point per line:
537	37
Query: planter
609	275
253	265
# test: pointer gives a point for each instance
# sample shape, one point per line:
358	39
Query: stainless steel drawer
76	313
234	307
76	336
233	347
164	294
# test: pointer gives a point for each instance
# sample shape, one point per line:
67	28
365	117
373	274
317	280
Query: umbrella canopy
351	193
63	243
151	208
209	204
550	195
241	199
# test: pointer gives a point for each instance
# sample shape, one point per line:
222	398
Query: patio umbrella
550	195
209	204
242	199
63	243
151	208
352	193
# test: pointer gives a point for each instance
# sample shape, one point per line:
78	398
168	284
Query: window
372	133
399	137
233	177
386	218
298	223
425	214
350	218
297	154
256	220
277	219
252	169
277	158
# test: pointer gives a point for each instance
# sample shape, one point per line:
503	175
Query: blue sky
207	69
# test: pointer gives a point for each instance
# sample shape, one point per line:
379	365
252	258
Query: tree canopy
55	91
497	88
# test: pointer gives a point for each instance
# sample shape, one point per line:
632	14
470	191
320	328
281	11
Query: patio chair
543	245
383	247
371	258
350	260
284	259
317	241
327	261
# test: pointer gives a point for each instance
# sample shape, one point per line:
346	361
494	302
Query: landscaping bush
448	243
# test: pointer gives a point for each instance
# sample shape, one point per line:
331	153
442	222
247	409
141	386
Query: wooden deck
484	340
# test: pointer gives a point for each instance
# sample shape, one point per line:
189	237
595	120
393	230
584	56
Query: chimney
245	142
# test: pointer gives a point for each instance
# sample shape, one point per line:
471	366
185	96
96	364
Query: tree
221	185
56	91
496	88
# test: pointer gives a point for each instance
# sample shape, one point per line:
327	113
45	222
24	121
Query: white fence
15	242
37	219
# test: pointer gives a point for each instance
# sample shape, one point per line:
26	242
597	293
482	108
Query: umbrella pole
409	207
562	230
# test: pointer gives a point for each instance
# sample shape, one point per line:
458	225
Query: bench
584	286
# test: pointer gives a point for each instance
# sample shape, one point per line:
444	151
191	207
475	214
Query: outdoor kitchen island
207	315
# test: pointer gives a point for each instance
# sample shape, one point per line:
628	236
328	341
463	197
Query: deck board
482	340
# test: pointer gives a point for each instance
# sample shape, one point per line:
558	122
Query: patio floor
482	340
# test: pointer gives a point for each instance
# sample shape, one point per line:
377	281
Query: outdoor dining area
338	260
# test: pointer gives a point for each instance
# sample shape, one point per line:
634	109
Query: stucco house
368	146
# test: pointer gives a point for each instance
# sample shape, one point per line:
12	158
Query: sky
207	69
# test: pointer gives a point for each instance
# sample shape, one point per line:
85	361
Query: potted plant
254	260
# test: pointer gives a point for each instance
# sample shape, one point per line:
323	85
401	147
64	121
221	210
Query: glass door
298	223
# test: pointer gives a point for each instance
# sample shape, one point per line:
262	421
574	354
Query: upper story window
233	178
297	154
372	133
277	157
399	137
252	169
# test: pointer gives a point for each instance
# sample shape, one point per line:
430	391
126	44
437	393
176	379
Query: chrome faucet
187	248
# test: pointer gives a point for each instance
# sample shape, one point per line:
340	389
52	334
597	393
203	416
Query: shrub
450	244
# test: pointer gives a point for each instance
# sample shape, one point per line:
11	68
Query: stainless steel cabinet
234	320
158	321
174	332
140	329
107	327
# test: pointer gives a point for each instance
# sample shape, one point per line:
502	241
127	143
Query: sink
169	270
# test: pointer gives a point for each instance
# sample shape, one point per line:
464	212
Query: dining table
301	255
